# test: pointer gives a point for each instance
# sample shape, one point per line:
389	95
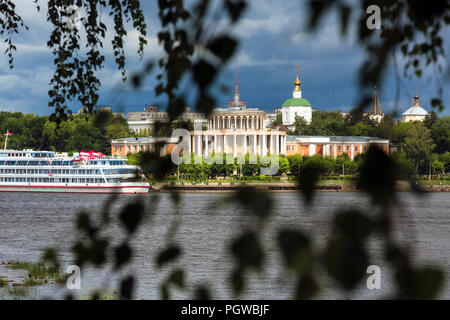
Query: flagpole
6	140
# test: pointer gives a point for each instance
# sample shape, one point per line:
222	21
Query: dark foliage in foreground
196	50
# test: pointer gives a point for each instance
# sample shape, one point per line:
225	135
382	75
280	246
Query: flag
95	154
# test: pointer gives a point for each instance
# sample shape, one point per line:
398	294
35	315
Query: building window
288	148
356	148
347	148
339	148
331	148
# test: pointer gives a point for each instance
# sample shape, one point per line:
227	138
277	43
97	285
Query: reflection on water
31	222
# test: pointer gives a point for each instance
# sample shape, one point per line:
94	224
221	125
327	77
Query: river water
206	222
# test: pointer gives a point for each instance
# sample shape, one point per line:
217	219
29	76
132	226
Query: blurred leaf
344	11
307	179
177	278
164	291
317	9
131	216
202	293
223	46
123	254
204	73
168	255
235	8
420	284
353	225
296	250
83	223
378	176
126	288
346	262
248	251
50	257
306	287
258	203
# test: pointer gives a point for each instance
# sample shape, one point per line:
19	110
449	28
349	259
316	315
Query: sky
272	42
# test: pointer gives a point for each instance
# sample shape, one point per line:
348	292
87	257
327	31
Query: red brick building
332	146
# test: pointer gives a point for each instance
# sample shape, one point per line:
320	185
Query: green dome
296	102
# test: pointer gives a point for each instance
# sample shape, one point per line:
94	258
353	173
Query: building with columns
237	130
144	121
333	146
124	146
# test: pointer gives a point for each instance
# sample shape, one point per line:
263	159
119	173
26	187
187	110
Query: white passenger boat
46	171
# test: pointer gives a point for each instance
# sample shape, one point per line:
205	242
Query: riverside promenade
402	186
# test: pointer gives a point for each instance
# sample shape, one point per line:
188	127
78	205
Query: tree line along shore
422	148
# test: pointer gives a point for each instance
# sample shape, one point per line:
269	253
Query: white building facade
237	130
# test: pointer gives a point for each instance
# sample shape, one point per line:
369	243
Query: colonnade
251	122
205	143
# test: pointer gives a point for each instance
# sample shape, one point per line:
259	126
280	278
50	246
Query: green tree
278	120
430	119
440	132
361	129
419	146
301	127
283	164
295	162
400	132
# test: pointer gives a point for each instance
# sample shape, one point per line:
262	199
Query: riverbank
402	186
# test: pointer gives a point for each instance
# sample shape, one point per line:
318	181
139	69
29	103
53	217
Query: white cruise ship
46	171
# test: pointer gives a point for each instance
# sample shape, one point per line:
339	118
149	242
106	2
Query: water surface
30	222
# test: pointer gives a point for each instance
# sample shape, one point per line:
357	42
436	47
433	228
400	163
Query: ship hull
103	188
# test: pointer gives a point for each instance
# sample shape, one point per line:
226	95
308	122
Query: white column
263	143
278	144
225	146
206	145
352	146
245	145
254	144
190	144
215	143
234	145
270	144
199	140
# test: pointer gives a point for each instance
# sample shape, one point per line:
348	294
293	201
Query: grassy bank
34	275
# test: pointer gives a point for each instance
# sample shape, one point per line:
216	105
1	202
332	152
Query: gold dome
297	82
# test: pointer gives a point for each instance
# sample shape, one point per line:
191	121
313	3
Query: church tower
375	112
297	93
236	101
296	106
